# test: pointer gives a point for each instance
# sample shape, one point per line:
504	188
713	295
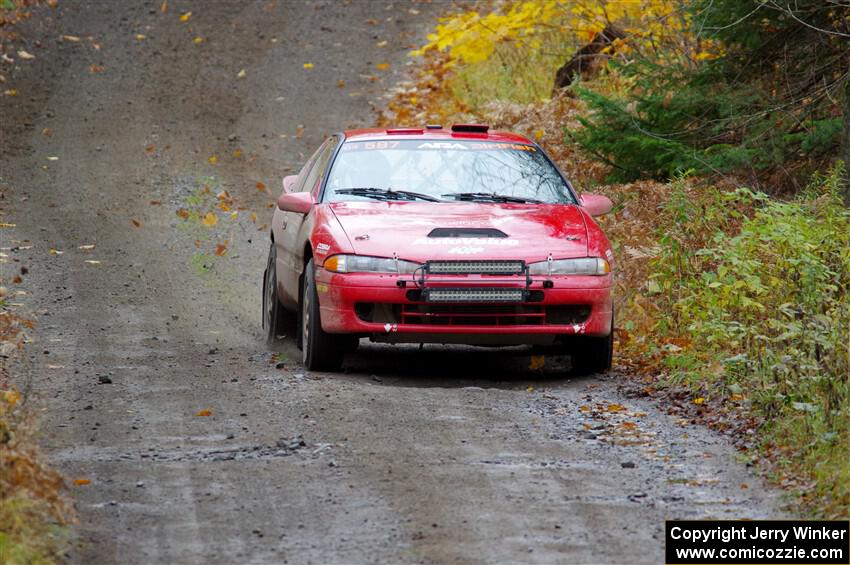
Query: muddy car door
292	236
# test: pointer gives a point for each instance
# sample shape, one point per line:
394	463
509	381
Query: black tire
274	315
320	351
594	354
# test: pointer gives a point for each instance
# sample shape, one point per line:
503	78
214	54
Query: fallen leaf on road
529	388
7	225
204	412
81	482
629	425
210	219
382	66
25	55
221	248
584	408
224	207
141	36
47	132
262	187
237	153
10	92
198	40
699	400
308	65
56	252
97	68
616	408
11	396
17	279
381	43
136	223
241	74
253	218
185	17
341	83
164	6
213	159
183	213
73	38
155	203
299	132
537	362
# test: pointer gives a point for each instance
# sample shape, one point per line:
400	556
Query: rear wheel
274	316
321	351
594	354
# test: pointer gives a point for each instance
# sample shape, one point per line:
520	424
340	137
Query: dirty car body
438	235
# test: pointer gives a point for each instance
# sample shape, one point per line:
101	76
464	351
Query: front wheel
594	354
321	351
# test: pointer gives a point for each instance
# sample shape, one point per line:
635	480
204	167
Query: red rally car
435	235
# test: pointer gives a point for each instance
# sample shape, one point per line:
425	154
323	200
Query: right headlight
367	264
583	266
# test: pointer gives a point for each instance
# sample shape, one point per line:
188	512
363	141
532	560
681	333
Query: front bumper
375	305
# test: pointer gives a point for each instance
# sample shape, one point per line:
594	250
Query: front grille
472	314
473	294
475	267
526	314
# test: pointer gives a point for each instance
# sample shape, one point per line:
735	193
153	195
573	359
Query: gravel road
439	455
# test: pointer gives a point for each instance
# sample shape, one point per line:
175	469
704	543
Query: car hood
463	230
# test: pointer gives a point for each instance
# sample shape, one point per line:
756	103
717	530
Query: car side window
306	169
318	171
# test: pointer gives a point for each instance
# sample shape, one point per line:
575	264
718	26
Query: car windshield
445	170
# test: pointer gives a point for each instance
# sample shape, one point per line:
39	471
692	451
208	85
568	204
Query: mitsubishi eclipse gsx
435	235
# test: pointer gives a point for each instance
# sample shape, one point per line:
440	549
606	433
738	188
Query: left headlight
366	264
582	266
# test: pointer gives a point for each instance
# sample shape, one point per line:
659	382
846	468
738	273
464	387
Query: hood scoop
466	232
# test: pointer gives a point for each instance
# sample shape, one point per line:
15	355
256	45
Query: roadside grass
733	303
33	512
746	304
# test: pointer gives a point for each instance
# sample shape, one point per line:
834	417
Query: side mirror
298	202
596	204
289	182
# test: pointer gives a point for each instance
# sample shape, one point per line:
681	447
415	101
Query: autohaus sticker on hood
486	241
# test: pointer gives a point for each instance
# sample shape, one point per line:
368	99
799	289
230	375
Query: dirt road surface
440	455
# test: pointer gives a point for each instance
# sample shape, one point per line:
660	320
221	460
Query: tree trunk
845	142
587	59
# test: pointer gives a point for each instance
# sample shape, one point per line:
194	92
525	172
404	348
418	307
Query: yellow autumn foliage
472	37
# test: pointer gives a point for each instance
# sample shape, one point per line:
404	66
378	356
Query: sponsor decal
322	249
465	250
321	287
467	241
441	145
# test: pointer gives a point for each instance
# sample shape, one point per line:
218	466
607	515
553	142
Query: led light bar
475	267
473	294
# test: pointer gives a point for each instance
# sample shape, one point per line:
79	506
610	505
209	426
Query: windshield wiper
386	194
490	197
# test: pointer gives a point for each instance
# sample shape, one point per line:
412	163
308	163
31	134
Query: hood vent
466	232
